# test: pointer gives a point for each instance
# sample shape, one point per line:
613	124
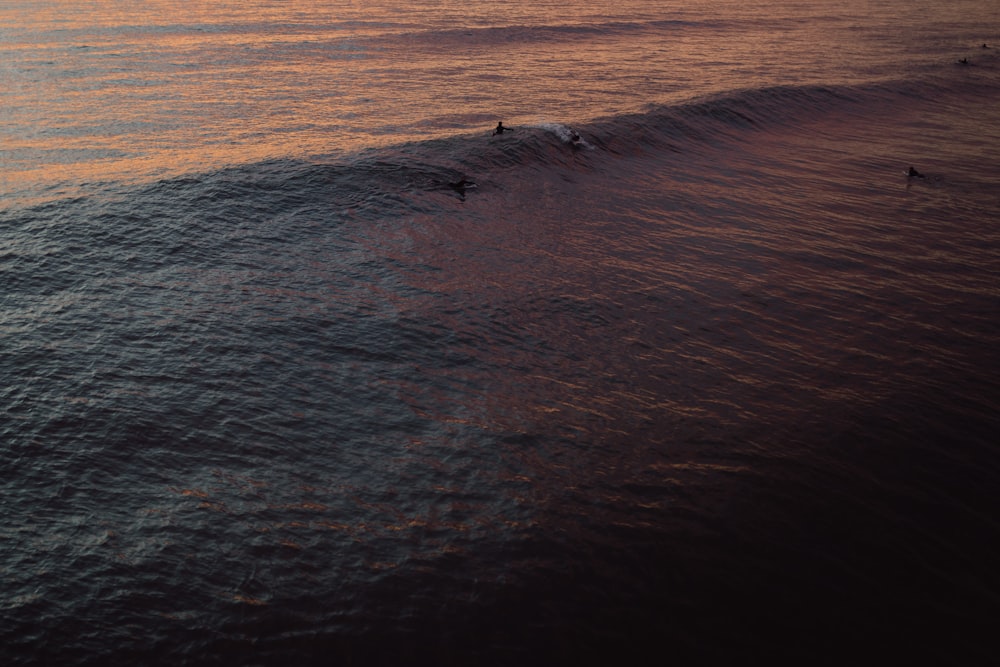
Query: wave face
135	97
714	378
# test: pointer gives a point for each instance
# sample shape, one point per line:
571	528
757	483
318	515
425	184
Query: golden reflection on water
114	90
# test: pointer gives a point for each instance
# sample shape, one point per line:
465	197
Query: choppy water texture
715	383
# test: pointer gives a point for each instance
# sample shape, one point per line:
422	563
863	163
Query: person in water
963	61
913	173
501	129
462	185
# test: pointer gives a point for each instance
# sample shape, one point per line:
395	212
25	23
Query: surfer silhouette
501	129
913	173
461	187
963	61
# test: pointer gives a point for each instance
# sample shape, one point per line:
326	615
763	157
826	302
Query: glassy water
304	366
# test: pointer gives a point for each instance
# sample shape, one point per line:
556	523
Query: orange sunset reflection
234	83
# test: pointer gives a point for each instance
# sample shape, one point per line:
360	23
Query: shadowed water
717	382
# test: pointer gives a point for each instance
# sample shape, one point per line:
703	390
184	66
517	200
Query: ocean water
716	383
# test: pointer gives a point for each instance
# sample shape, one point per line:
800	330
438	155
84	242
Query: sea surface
301	365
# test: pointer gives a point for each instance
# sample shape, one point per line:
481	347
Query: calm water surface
716	382
96	91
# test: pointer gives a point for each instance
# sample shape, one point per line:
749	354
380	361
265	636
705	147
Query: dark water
716	385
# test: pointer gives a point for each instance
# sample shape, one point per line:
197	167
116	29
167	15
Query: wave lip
539	33
363	178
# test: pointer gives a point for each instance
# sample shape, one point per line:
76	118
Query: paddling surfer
462	185
500	129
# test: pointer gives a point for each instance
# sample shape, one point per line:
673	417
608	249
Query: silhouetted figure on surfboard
500	129
913	173
462	185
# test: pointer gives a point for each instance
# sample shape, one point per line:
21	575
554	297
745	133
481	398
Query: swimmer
913	173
